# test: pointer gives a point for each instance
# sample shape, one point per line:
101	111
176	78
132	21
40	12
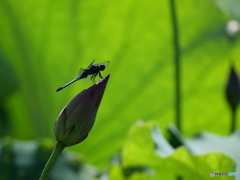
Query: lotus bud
233	89
77	118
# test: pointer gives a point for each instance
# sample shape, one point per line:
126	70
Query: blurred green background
44	43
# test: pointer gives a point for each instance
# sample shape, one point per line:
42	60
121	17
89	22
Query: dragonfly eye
102	67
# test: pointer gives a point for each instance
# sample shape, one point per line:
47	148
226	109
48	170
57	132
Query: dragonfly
90	73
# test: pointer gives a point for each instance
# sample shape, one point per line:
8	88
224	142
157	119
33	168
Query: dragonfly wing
80	71
90	64
82	74
87	78
106	63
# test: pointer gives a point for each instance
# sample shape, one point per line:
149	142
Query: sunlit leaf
46	42
138	150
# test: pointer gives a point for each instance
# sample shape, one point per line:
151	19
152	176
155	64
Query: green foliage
146	154
142	148
25	160
10	83
8	78
230	7
46	42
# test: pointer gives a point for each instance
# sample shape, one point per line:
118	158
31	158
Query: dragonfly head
102	67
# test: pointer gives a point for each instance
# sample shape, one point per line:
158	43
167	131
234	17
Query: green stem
233	123
177	68
177	64
52	160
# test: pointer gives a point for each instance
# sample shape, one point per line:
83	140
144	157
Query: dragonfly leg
100	75
93	78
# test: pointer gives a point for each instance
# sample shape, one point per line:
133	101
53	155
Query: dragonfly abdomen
67	84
